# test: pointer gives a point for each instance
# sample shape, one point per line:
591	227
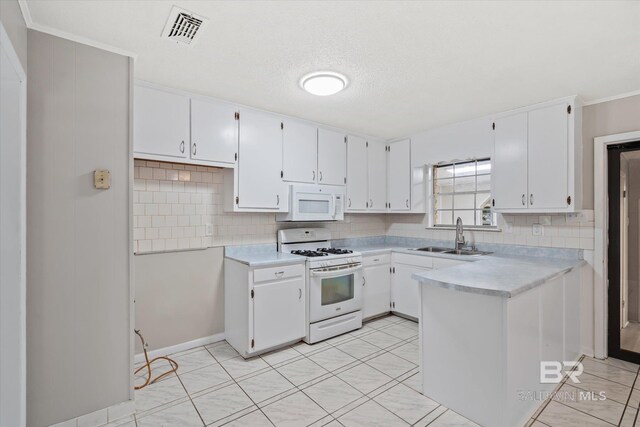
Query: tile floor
365	378
630	337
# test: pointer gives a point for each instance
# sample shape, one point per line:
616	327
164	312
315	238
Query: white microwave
314	203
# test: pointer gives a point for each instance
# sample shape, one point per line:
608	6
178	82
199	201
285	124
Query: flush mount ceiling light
323	83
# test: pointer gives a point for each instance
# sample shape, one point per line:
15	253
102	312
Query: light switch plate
538	230
102	179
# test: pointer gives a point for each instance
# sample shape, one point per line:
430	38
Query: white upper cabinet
161	124
377	176
214	133
399	175
332	157
299	152
537	159
509	175
357	199
548	157
259	185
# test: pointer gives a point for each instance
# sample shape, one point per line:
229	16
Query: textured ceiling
411	65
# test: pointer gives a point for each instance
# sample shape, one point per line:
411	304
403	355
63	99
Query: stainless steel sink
432	249
465	252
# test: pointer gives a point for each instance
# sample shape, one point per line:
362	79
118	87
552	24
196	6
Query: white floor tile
332	359
159	394
391	365
266	385
370	414
181	415
452	419
406	403
301	371
239	367
358	348
221	403
294	410
204	378
254	419
365	378
332	394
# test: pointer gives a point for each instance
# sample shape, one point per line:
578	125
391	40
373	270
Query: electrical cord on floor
173	363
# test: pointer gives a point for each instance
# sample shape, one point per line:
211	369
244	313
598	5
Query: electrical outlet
573	218
538	230
208	229
508	227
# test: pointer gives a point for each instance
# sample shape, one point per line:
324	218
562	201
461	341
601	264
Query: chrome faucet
460	242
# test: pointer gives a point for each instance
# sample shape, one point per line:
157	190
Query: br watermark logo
552	372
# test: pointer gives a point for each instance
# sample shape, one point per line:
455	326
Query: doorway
624	251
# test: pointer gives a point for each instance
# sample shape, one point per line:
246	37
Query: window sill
446	227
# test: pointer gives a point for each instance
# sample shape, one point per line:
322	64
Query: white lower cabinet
405	294
377	285
264	307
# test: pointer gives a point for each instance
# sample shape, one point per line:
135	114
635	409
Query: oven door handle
336	272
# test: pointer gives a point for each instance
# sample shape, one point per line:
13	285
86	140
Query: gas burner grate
308	253
335	251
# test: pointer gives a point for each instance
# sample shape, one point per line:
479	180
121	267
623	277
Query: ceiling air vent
182	26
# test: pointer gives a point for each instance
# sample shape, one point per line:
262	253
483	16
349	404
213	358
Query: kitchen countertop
498	275
261	255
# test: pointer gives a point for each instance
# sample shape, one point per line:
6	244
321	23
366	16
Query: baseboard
179	347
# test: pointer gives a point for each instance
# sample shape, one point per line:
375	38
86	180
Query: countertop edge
493	292
266	263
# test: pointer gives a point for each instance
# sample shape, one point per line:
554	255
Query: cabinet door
376	290
399	175
260	161
509	174
214	132
299	152
332	157
161	124
278	313
405	295
549	157
356	173
377	175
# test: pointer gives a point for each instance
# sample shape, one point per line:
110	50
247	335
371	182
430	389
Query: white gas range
334	282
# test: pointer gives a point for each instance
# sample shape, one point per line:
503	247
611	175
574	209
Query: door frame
601	213
7	46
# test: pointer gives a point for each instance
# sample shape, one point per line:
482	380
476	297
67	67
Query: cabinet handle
407	202
349	201
370	203
531	199
364	281
278	199
314	175
524	198
376	259
299	293
195	150
279	273
182	147
320	175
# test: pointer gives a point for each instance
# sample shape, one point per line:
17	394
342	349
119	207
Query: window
463	190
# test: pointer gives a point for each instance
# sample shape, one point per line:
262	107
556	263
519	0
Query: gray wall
13	22
78	248
179	296
618	116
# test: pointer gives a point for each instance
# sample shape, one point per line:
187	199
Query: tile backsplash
180	207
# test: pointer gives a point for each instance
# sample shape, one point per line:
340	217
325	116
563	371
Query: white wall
79	326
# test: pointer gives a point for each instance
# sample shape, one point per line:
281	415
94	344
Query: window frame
434	211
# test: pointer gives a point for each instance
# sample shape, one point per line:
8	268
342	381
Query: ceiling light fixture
323	83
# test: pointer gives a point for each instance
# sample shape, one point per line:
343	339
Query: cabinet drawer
417	260
376	259
277	273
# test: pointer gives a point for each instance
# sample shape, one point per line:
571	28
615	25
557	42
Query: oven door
334	291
